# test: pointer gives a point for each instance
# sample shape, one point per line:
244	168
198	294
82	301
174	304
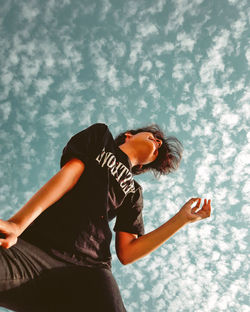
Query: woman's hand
8	233
188	214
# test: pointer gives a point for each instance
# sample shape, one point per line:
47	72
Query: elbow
124	260
125	248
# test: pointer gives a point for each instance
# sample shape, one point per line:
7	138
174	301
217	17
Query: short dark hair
169	156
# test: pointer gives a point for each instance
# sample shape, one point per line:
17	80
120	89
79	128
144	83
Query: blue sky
182	64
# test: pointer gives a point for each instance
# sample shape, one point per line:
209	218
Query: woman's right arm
62	182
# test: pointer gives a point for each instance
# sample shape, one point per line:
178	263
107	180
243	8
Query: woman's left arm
129	248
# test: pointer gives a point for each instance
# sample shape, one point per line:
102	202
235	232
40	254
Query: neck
126	148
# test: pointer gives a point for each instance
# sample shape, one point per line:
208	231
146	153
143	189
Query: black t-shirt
76	227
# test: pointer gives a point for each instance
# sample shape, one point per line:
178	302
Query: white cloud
155	7
19	129
142	79
136	48
105	72
67	101
6	110
239	26
241	162
130	8
73	55
127	80
153	90
146	66
245	210
185	41
159	64
229	120
183	109
13	58
63	3
29	12
6	78
204	129
247	54
246	189
50	121
244	105
119	49
141	105
146	29
182	7
172	126
42	86
49	62
89	9
202	176
166	47
215	62
105	9
222	174
214	112
112	78
157	290
180	70
112	103
29	69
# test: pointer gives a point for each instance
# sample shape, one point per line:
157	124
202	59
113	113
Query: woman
55	251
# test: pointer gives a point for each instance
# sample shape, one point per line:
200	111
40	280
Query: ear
128	135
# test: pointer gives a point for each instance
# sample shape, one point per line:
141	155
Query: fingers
205	212
10	240
192	200
206	204
197	206
2	241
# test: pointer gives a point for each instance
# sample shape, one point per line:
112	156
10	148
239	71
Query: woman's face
146	145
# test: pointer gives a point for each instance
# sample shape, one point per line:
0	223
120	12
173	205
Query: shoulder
95	130
98	127
101	129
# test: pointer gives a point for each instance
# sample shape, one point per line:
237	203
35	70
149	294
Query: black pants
33	281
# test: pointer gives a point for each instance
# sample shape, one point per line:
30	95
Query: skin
141	148
130	248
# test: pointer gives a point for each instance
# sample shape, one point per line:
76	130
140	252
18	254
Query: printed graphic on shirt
121	173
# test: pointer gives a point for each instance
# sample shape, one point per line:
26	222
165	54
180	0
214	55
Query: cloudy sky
183	64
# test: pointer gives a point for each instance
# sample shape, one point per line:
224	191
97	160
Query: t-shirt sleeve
84	144
129	218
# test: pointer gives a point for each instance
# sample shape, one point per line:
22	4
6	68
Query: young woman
55	251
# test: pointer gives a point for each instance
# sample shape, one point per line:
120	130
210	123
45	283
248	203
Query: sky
182	64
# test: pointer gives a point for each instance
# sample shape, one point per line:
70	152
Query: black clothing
32	281
62	261
75	229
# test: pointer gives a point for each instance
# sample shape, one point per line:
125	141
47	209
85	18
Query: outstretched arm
62	182
129	248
